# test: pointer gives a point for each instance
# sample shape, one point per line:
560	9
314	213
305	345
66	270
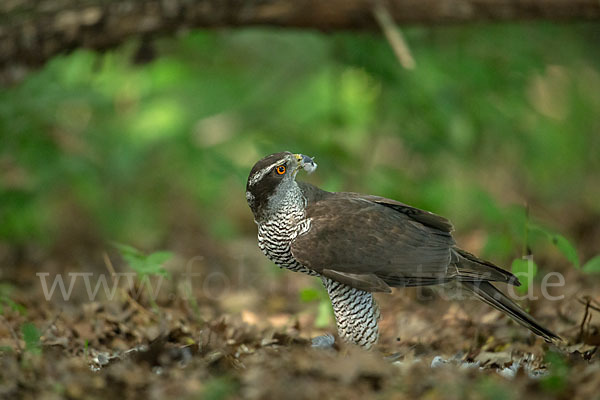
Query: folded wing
372	243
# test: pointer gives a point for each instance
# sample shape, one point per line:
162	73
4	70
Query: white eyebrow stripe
260	174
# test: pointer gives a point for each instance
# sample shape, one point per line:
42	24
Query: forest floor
244	332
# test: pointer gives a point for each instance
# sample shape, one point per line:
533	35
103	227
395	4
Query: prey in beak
305	162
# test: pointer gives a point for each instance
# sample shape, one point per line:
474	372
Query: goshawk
359	244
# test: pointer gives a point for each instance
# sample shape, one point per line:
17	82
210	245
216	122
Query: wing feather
371	243
425	217
355	236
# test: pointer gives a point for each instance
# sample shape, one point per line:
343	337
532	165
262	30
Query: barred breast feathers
276	234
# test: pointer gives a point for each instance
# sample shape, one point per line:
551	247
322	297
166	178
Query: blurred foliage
593	265
525	270
492	390
492	118
556	382
562	244
324	312
220	388
145	265
31	336
6	302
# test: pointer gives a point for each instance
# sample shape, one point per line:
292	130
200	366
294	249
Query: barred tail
488	293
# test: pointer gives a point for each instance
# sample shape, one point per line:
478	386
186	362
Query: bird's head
272	179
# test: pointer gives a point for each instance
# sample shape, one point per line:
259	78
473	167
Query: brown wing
369	241
425	217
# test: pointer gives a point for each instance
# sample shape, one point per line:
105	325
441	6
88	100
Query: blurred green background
493	121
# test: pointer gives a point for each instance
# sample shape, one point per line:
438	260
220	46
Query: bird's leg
356	313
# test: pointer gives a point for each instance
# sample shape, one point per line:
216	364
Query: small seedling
145	265
31	336
592	266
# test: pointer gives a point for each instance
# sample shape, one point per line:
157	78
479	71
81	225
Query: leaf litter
258	347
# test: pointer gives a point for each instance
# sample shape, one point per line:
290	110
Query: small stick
583	321
588	304
393	35
109	265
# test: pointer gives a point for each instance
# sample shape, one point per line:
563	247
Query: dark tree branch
31	31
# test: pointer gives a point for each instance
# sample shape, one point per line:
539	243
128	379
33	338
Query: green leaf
309	294
556	381
6	349
566	248
159	258
127	250
324	314
31	335
538	229
592	266
136	264
142	264
13	305
562	244
525	270
153	264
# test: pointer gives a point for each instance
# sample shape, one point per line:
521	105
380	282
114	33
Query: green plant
86	349
145	265
324	316
6	301
556	381
31	336
220	388
559	241
592	266
525	266
526	270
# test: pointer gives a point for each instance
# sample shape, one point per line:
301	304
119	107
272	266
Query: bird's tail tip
495	298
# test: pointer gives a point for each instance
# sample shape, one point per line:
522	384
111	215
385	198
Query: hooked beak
306	162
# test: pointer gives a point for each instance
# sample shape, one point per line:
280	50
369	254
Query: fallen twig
581	334
588	302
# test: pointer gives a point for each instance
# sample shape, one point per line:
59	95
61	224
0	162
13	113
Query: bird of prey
360	244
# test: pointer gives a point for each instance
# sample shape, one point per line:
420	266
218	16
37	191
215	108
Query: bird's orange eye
280	170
